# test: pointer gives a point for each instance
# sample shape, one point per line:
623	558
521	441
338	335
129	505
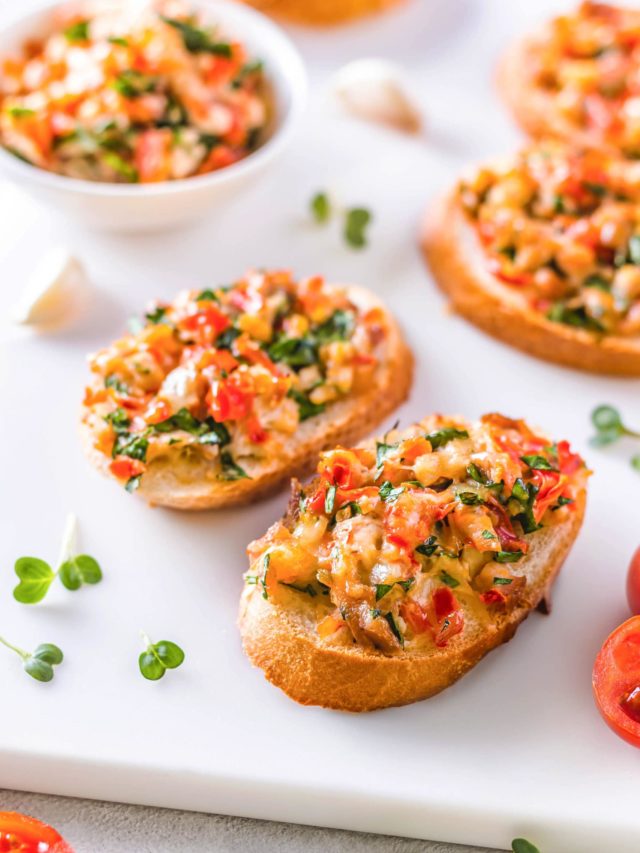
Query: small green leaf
606	417
170	654
132	483
230	469
356	222
449	580
635	463
70	576
502	581
150	666
49	653
521	845
37	668
443	436
20	112
35	576
508	556
78	570
306	409
388	493
537	463
320	207
470	498
77	32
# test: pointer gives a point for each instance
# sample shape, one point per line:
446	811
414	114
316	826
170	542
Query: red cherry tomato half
22	834
616	681
633	584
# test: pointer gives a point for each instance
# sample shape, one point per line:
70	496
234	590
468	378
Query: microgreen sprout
610	428
159	657
74	570
521	845
38	664
355	219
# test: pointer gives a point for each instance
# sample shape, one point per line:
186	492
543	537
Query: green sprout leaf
159	657
36	576
521	845
38	664
356	222
320	206
77	32
610	428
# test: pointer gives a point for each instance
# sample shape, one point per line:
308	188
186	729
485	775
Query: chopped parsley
443	436
388	493
198	40
230	469
306	409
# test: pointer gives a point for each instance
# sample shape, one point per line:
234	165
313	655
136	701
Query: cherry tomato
616	681
633	584
22	834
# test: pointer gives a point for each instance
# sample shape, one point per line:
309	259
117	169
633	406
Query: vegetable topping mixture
229	373
589	61
396	544
135	94
562	227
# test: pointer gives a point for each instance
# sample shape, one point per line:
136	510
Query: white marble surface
95	827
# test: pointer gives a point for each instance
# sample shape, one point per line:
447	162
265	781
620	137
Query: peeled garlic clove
375	90
56	292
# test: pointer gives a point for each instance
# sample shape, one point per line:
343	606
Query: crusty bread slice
458	263
190	481
283	640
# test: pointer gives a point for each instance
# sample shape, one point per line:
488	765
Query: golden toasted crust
192	484
321	12
532	107
457	261
284	643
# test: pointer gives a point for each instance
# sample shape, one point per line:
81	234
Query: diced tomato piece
257	433
151	155
551	484
492	597
506	273
220	358
228	402
329	625
124	468
341	468
398	541
316	502
209	317
568	462
444	602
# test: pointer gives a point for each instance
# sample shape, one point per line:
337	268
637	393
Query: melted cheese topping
395	544
562	227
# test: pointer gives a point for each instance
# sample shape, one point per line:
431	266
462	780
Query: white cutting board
516	747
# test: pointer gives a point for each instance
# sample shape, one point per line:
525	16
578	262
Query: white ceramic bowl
149	207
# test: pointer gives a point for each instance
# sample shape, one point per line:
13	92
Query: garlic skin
377	90
56	292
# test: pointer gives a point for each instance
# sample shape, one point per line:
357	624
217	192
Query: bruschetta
542	250
322	12
577	78
223	394
407	559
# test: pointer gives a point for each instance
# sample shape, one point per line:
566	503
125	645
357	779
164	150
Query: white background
516	747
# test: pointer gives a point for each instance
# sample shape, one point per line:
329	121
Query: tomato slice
616	681
22	834
633	583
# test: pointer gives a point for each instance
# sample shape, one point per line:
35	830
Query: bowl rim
296	86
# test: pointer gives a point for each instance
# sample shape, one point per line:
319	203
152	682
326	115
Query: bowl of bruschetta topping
579	77
542	249
224	393
121	107
408	558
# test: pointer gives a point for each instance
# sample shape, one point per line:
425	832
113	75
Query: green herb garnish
383	588
330	500
470	498
609	426
320	207
306	409
296	352
78	31
538	463
38	664
388	493
36	575
197	39
521	845
355	227
156	315
132	84
507	556
230	469
443	436
159	657
448	579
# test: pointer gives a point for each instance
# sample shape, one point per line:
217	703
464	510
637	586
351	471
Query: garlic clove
56	292
377	90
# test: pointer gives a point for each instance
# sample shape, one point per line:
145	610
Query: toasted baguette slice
321	12
191	482
458	263
282	638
